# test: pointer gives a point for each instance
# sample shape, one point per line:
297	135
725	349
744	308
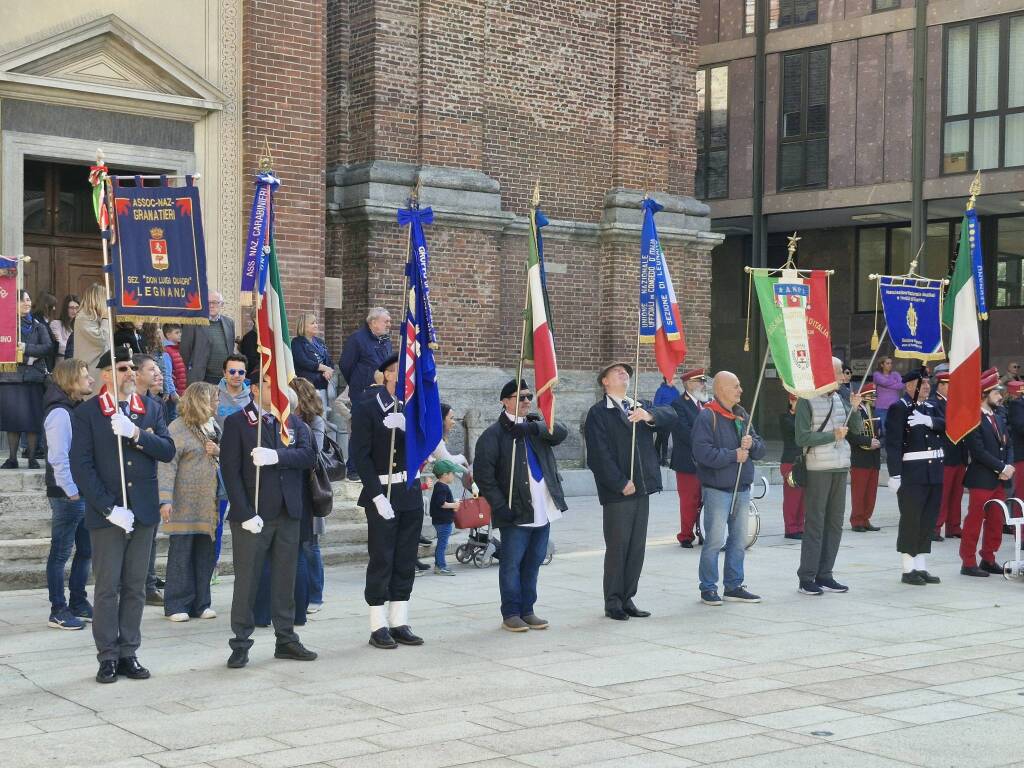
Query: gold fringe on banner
874	333
8	367
120	318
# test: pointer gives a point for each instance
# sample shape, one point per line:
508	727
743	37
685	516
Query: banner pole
871	363
257	301
636	393
401	340
750	424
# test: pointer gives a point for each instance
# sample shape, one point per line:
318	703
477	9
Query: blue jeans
716	519
314	570
67	531
444	532
222	508
522	552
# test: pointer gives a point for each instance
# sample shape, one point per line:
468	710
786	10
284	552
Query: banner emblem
158	249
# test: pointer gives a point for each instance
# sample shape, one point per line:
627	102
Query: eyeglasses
218	303
526	398
125	368
236	372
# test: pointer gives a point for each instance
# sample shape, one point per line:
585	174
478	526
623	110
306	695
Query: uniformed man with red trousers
988	474
687	406
954	467
865	462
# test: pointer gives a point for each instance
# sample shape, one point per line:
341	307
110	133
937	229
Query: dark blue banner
913	315
257	245
656	293
158	256
973	235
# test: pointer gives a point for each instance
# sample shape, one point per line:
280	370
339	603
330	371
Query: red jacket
178	369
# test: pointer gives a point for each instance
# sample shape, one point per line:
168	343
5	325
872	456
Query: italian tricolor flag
539	343
275	350
960	315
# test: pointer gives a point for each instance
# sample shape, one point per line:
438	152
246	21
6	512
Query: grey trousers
151	575
625	542
279	540
119	564
824	511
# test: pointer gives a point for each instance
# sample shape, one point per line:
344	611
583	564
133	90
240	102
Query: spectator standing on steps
205	347
361	358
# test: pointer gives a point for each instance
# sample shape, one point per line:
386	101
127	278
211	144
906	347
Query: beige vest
832	456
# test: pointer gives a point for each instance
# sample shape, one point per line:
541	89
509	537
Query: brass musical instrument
869	423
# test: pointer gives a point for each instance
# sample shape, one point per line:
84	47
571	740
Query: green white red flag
794	306
539	345
274	347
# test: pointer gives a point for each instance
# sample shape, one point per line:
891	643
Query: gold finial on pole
414	198
266	159
99	156
975	190
536	194
791	248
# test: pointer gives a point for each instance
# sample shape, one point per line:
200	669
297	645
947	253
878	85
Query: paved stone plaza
887	675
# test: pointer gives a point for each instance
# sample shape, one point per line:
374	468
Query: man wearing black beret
121	529
537	499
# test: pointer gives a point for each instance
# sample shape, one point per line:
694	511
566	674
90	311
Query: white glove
123	426
894	482
122	517
263	457
384	508
254	524
917	418
395	421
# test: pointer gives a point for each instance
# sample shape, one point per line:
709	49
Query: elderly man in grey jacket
822	423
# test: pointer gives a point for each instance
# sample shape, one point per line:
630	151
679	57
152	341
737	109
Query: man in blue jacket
724	445
121	529
362	355
687	406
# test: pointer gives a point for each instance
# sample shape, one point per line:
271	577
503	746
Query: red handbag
473	513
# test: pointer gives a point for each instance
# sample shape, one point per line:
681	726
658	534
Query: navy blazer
1015	416
990	451
900	439
361	355
369	448
281	484
955	453
686	409
93	459
308	361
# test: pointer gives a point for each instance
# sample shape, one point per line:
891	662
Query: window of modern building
803	120
782	13
1009	283
712	178
983	122
884	5
888	251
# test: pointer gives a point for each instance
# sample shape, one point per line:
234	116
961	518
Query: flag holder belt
923	455
398	477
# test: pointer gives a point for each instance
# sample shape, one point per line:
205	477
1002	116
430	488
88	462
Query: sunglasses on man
125	368
235	372
526	398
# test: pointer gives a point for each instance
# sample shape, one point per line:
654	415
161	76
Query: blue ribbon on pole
913	316
973	235
258	234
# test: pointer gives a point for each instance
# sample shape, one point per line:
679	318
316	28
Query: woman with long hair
889	389
44	309
92	337
64	325
21	390
189	491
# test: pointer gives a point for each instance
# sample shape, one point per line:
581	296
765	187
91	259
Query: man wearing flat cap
989	473
914	431
121	529
537	499
687	406
394	509
625	480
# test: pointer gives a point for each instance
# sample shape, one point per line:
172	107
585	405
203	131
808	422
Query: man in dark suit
624	482
687	406
204	348
394	511
914	438
266	525
121	529
537	499
988	474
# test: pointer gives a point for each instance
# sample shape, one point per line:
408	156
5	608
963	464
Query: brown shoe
515	624
533	621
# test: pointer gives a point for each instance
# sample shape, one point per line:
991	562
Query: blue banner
977	264
257	245
158	257
656	298
913	315
417	373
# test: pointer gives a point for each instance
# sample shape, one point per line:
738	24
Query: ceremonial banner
275	341
794	306
158	256
963	305
417	374
659	312
8	314
912	310
539	348
257	245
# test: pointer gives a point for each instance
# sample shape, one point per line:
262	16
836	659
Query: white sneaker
178	617
208	613
314	608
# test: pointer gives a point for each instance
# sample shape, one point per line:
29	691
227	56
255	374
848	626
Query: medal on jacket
251	415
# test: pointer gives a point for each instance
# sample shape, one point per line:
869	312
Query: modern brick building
865	148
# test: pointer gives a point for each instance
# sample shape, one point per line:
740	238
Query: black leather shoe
686	543
913	578
870	527
295	651
107	672
936	537
794	536
972	570
616	613
928	578
990	568
404	636
635	612
381	638
238	658
130	668
859	529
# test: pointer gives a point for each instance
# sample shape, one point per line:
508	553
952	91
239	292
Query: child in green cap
442	511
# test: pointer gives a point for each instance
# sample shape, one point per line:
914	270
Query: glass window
37	218
784	13
884	5
984	95
888	251
870	261
1010	262
712	133
803	129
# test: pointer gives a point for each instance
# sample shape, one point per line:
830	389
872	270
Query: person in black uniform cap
393	524
914	430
